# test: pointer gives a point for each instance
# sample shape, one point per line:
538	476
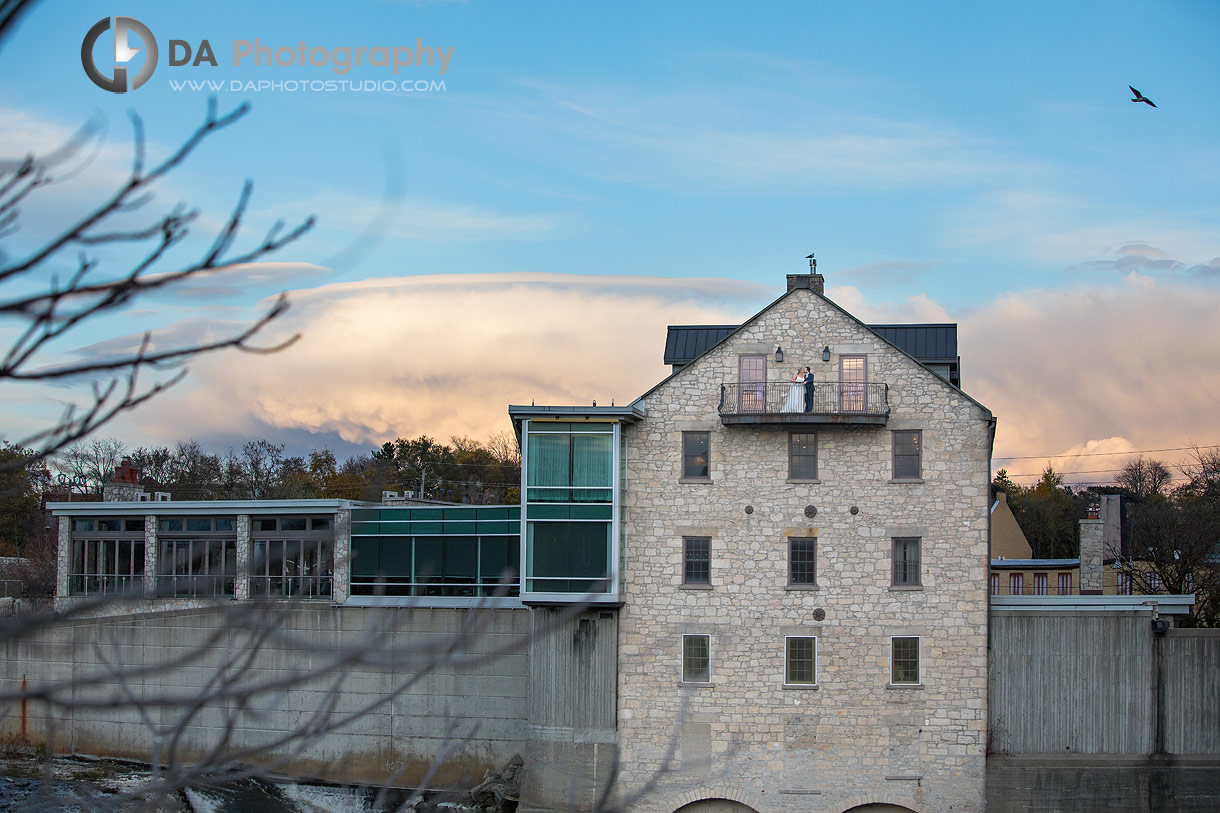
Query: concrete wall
1094	712
853	740
403	710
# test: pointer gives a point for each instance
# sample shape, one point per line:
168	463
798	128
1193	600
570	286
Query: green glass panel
514	512
429	558
492	513
549	426
461	558
366	557
395	556
549	461
591	512
569	549
366	528
460	528
418	528
390	514
548	512
499	527
460	513
365	515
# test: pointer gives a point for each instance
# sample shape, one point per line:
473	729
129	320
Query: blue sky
630	165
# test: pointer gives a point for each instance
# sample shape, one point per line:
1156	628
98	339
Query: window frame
811	561
1065	577
995	584
688	457
793	476
800	684
692	677
1042	584
1016	580
918	639
689	542
906	542
896	436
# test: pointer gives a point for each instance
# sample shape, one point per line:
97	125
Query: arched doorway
879	808
715	806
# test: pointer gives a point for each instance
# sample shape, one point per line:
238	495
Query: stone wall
854	739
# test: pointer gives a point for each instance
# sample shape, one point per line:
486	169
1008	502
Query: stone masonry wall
854	739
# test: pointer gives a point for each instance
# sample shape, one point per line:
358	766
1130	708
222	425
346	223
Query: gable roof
683	343
677	370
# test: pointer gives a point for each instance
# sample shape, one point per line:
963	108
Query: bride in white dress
796	394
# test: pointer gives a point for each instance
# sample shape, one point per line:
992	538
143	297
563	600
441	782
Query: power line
1099	454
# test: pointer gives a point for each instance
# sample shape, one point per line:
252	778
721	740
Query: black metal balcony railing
833	402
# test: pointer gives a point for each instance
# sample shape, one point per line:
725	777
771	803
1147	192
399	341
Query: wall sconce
826	353
779	355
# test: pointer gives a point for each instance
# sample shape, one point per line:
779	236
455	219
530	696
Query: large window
906	561
695	455
801	660
435	565
904	661
696	560
696	659
569	508
196	556
802	561
802	456
570	462
107	557
908	454
291	557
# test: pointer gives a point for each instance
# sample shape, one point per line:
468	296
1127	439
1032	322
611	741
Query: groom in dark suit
808	390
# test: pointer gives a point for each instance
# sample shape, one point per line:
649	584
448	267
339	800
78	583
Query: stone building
804	594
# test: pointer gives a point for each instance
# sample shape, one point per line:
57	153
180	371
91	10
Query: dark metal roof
937	342
927	343
685	343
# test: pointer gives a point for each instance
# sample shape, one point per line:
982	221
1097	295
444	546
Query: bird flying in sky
1139	97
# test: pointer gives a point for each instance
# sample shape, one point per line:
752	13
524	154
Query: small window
696	658
803	561
801	661
802	456
319	524
995	584
1065	584
1154	582
1016	584
695	447
292	524
1040	584
109	525
171	525
264	524
1124	583
133	525
904	661
199	524
906	561
908	454
82	525
696	560
225	525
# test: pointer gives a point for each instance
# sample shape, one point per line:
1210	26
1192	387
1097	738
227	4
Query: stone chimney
125	485
812	281
1100	541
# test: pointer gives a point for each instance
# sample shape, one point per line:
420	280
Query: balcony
854	404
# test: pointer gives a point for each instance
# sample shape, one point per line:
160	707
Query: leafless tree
1144	477
46	311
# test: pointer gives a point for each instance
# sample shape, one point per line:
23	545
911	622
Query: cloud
443	355
1111	367
1143	259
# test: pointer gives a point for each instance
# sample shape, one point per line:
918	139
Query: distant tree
22	483
93	460
1175	545
260	464
1047	513
1143	477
